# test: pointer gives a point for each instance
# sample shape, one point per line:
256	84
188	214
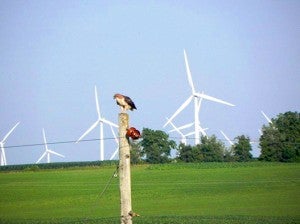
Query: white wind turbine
2	143
198	97
101	120
47	150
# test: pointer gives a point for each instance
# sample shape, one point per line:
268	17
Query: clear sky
53	53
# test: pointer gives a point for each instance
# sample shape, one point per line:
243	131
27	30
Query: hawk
124	102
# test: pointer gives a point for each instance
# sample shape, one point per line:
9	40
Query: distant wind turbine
48	151
2	143
198	97
101	120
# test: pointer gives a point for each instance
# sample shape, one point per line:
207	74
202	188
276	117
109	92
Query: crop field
206	193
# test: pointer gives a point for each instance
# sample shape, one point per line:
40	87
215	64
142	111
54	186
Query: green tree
280	140
211	149
190	154
135	153
185	153
241	149
228	155
156	146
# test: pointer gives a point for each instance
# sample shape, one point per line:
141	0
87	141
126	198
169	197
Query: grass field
172	193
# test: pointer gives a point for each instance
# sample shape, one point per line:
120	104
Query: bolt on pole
124	170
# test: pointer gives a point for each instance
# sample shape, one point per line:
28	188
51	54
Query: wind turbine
101	120
198	97
2	143
48	151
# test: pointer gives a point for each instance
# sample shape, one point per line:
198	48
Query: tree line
280	142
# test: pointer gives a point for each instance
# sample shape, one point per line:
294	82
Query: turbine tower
198	97
47	151
101	121
2	143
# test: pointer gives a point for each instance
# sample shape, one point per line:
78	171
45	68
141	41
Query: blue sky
53	53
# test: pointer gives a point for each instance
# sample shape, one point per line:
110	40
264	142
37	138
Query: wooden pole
124	170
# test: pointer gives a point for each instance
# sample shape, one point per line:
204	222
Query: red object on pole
133	133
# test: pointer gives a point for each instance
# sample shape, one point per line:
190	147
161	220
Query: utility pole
124	170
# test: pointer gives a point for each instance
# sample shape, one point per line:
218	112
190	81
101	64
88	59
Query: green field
172	193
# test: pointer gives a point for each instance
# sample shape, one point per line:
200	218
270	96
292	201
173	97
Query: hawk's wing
130	102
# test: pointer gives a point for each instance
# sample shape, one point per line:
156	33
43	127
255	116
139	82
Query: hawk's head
117	95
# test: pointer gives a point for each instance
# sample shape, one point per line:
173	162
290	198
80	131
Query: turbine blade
204	96
43	155
202	131
190	133
186	126
97	103
225	136
183	127
175	128
114	134
45	140
114	154
55	153
11	130
88	131
179	110
188	71
108	122
267	118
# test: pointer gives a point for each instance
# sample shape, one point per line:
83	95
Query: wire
115	173
112	138
56	143
109	181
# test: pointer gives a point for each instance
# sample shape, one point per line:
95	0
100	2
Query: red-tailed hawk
124	102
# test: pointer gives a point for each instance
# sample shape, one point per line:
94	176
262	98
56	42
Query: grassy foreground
172	193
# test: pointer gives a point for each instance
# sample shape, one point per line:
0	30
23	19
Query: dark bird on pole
124	102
